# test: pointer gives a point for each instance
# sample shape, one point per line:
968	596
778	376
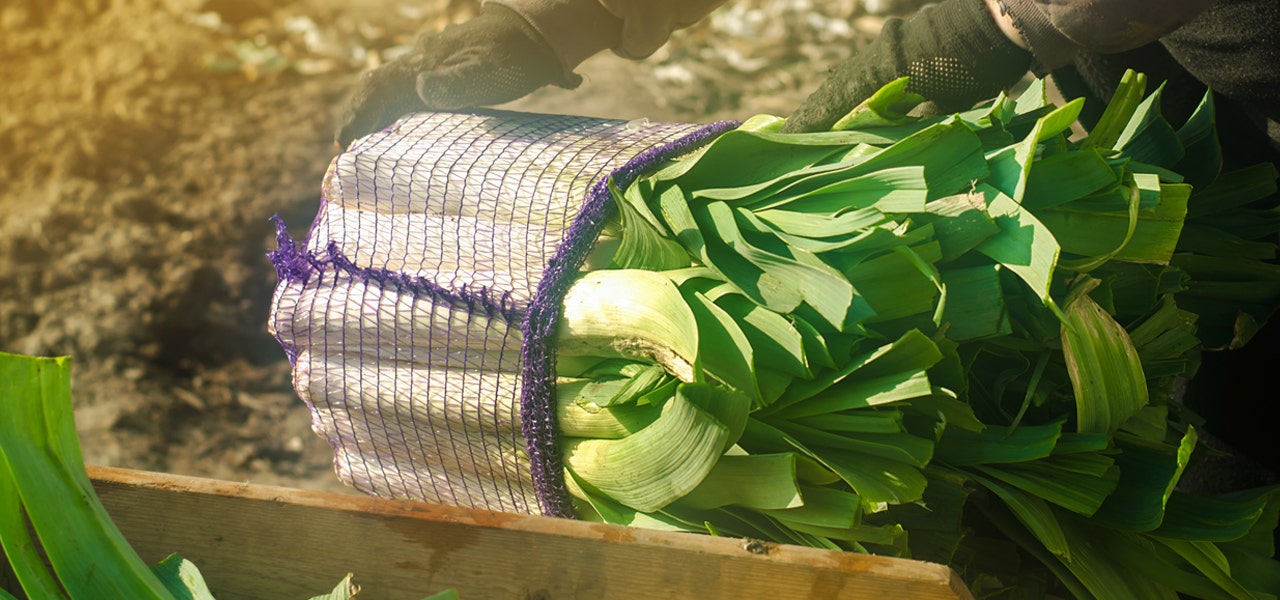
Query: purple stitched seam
537	393
290	266
294	263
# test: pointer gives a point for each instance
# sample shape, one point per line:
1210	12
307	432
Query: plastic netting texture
417	310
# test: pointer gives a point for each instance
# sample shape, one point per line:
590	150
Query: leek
971	310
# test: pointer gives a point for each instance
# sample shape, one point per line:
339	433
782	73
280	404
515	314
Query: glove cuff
574	30
1051	49
956	55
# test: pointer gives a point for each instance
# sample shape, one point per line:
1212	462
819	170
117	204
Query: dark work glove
954	53
493	58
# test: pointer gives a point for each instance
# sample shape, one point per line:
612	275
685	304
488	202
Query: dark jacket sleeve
1234	48
1056	30
577	29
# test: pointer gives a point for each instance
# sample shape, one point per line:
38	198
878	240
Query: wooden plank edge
848	570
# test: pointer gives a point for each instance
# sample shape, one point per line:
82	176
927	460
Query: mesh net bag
418	310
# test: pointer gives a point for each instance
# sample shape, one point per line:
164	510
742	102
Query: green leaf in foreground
1034	513
1199	137
752	156
899	283
1209	560
960	223
21	550
819	285
1126	234
591	420
43	476
1119	110
1227	518
775	339
1148	137
1011	166
1065	177
995	444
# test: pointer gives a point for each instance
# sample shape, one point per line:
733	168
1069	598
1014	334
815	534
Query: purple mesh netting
441	246
537	406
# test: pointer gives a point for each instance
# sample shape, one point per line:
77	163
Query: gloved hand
495	57
954	53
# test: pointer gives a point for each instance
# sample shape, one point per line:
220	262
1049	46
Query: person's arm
959	52
1234	48
510	49
495	57
956	53
645	24
1056	30
1004	21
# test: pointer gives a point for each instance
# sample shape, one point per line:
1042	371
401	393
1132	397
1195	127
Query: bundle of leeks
954	339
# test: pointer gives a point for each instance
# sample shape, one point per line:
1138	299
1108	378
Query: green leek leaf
42	475
759	481
1106	372
723	348
1119	111
181	577
996	444
1148	474
775	339
893	284
1024	245
1034	513
1065	177
1199	137
1208	559
960	223
1076	491
817	284
653	467
822	507
1148	137
878	372
1224	518
590	420
644	244
975	303
889	105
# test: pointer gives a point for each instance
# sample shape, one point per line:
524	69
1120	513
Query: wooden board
253	541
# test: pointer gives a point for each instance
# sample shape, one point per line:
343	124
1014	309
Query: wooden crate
262	542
